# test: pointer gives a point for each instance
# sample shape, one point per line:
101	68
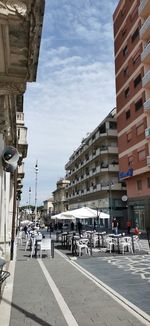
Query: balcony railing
19	118
147	132
145	30
147	105
21	169
145	55
148	160
22	135
144	8
146	80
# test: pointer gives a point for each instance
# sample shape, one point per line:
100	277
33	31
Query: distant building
132	67
48	206
93	171
59	202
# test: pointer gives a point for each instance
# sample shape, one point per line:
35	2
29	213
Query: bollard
133	244
91	244
52	248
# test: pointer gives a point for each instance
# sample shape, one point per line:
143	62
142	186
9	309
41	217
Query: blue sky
74	91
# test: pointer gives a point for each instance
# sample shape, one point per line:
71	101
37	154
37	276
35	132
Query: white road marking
134	310
59	298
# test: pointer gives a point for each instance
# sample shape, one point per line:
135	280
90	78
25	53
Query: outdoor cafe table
117	237
101	235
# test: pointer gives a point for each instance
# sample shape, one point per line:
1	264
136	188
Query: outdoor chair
19	237
82	245
110	244
36	237
45	245
136	242
125	243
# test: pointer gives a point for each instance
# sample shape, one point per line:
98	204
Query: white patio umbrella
54	217
61	217
104	215
82	213
25	222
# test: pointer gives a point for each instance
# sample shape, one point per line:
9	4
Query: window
148	182
134	13
129	136
124	31
126	72
128	114
136	57
141	155
135	35
140	130
137	80
130	161
138	104
126	92
125	51
139	184
123	11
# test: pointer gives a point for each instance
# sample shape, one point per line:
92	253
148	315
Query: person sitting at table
136	230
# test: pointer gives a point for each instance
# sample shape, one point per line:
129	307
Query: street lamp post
110	202
36	174
29	200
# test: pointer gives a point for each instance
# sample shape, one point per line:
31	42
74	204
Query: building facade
20	35
60	203
132	65
93	172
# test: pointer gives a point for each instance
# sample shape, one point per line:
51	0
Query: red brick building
132	69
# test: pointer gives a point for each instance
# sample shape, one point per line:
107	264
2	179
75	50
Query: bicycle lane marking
59	298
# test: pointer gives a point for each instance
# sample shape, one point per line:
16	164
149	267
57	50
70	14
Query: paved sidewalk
52	292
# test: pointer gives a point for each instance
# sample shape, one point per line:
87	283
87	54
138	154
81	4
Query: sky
74	90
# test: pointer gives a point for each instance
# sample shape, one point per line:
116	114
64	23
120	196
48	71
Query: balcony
114	168
146	80
112	132
113	149
148	160
147	132
22	140
21	171
145	55
144	8
145	30
20	118
147	105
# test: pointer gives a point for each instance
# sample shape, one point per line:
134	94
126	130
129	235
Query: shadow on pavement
28	314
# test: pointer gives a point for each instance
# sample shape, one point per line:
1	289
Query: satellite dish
124	198
10	157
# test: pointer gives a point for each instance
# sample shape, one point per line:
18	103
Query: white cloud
75	88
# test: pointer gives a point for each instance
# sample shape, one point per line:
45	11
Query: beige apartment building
59	197
132	68
20	36
93	172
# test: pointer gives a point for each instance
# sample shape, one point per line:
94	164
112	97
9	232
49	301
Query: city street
77	291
